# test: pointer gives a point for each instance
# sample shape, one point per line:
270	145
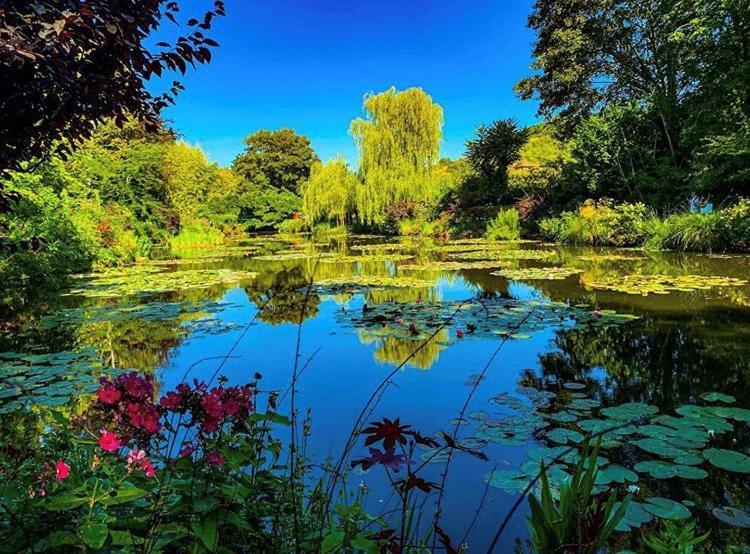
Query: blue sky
306	64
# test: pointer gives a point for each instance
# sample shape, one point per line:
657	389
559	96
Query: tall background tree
272	168
278	159
66	65
329	193
668	79
398	143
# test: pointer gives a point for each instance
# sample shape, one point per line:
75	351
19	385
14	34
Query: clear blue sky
306	64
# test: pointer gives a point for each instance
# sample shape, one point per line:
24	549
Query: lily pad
665	508
728	460
732	516
718	397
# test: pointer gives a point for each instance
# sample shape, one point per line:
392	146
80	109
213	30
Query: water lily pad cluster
662	284
149	280
126	311
515	254
453	265
47	379
494	317
340	258
680	446
537	273
353	284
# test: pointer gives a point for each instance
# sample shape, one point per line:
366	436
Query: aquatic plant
504	226
537	273
661	284
581	520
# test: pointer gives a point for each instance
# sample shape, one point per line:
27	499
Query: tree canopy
278	159
495	148
398	143
66	66
329	193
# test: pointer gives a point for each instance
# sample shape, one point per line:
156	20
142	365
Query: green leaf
718	397
94	534
65	502
733	516
123	495
666	508
205	530
332	541
728	460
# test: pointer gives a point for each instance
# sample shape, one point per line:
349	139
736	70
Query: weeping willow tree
398	143
328	195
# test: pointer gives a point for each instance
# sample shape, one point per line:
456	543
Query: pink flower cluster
129	402
137	459
210	409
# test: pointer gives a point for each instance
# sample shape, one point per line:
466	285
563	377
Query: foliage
67	66
645	127
602	224
581	520
674	538
280	160
195	234
264	208
494	149
505	226
398	144
328	195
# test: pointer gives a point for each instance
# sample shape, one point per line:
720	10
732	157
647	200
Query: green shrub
195	235
293	226
674	538
602	224
693	231
505	226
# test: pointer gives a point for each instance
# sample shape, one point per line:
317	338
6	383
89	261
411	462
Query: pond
518	348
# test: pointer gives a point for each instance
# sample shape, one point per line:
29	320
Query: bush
505	226
692	231
602	224
293	226
193	235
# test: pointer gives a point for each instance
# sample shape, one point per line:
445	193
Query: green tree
279	159
494	149
189	175
65	66
328	195
398	143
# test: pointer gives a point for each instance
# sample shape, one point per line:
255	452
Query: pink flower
597	314
108	394
109	441
215	458
135	456
148	468
62	470
460	333
171	401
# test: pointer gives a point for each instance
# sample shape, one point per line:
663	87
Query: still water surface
683	333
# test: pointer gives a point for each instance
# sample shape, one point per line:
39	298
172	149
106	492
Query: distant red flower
215	458
460	333
109	441
108	394
171	401
62	470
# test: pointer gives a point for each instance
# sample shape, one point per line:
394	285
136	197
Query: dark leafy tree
278	159
65	65
495	148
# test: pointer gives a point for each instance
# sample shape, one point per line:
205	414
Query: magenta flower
109	441
108	394
62	470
